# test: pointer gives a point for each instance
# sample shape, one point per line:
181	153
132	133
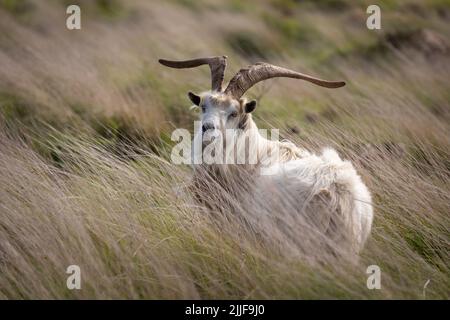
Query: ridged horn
216	64
248	77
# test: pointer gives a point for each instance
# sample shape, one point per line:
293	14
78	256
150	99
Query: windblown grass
85	176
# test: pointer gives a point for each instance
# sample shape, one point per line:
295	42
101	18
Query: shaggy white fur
323	187
326	178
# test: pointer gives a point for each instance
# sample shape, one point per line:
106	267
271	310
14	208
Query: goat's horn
248	77
216	64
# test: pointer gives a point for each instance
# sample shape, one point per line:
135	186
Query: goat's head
226	109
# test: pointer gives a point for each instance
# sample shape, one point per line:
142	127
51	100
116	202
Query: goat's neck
265	152
273	151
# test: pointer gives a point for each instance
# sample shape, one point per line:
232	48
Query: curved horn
216	64
248	77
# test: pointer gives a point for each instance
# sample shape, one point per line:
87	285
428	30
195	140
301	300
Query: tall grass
85	175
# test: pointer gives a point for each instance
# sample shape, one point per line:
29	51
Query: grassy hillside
85	123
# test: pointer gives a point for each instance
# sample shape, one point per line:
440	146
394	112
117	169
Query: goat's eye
203	108
233	114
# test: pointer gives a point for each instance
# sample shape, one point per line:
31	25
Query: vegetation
85	121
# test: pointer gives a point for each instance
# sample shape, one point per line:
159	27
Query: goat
324	187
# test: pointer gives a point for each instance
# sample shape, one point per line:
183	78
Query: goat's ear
250	106
194	98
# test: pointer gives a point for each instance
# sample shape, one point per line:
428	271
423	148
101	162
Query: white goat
314	181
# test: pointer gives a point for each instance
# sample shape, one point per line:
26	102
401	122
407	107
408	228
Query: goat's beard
212	147
211	136
229	148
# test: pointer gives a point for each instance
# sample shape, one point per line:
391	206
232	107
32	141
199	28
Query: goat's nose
207	126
